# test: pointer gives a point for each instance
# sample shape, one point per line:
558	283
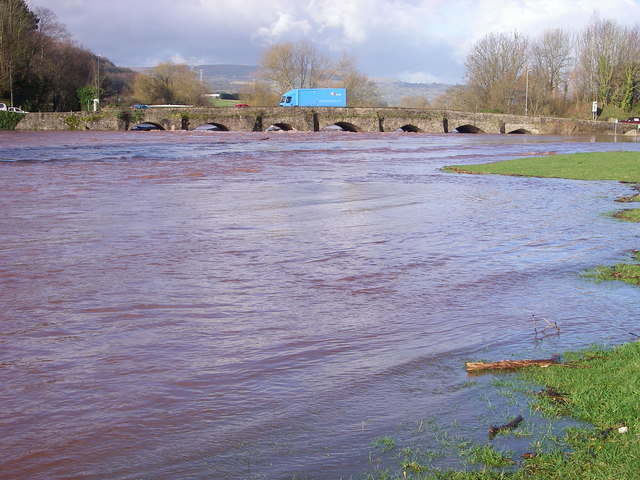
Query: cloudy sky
413	40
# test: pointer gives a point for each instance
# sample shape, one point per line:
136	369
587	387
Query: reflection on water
189	305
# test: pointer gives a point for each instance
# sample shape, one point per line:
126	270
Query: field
621	166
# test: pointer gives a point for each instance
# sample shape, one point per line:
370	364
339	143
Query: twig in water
553	325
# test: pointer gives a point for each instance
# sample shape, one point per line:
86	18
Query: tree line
42	68
556	73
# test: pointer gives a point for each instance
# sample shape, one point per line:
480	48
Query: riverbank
620	166
598	386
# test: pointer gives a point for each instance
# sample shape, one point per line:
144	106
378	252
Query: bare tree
598	53
170	83
414	101
259	94
494	70
294	65
361	91
286	66
551	57
548	73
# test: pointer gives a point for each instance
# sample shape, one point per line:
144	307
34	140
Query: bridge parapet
314	119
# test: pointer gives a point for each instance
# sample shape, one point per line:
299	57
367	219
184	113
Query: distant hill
393	90
231	78
226	78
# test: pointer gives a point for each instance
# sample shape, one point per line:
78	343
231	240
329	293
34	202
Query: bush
9	120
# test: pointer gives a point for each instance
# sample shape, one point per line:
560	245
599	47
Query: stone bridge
254	119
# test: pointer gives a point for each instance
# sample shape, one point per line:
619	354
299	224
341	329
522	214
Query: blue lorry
315	97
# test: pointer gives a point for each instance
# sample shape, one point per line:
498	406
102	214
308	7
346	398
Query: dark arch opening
212	127
279	127
520	131
629	130
409	129
468	129
147	126
346	127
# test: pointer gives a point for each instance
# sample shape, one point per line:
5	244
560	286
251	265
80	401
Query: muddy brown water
223	305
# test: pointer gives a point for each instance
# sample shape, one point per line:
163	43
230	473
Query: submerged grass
600	386
628	215
621	166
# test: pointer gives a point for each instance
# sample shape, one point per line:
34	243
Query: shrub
9	120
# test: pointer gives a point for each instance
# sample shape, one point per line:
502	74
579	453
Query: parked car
139	106
16	109
632	120
241	105
3	106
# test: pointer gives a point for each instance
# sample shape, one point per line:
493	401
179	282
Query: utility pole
96	101
526	95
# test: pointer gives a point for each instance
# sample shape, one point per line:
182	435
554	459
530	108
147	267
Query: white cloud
413	39
283	28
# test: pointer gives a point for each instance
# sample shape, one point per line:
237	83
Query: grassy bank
623	271
621	166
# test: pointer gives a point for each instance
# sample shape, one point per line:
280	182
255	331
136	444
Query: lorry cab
289	99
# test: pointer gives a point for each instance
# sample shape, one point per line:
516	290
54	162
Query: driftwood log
509	364
507	426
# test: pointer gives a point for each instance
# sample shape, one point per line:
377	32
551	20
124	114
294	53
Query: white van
3	106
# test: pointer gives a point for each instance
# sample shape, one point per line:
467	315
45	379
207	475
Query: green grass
621	166
624	272
604	390
219	102
629	215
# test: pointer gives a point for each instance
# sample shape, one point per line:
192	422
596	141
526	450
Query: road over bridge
250	119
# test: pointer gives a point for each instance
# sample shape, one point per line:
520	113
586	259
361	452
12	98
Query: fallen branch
507	426
510	364
554	394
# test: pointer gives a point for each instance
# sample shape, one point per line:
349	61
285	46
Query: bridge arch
147	126
520	131
629	129
468	129
212	127
343	126
408	128
279	127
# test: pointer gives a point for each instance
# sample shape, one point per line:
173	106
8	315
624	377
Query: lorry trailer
314	97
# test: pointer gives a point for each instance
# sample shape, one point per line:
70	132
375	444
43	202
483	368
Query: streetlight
526	95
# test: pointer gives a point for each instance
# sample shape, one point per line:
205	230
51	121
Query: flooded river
197	305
